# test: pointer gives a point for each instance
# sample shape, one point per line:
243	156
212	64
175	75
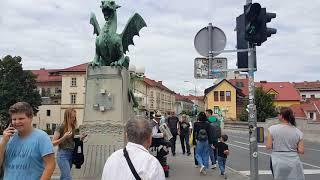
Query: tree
264	104
16	85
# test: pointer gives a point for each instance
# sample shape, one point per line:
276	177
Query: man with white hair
134	161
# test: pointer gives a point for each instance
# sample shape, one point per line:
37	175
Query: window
162	96
73	82
239	84
216	109
43	92
48	92
313	96
216	95
221	95
48	126
48	112
312	115
57	90
34	125
151	94
73	99
228	95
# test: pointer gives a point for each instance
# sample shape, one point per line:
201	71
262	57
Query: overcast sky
57	34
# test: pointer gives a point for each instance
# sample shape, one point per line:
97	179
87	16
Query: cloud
57	34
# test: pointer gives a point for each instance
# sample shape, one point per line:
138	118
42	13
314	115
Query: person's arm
194	134
56	140
301	147
269	141
226	152
49	166
7	133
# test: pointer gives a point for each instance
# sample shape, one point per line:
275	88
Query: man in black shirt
184	129
223	152
172	122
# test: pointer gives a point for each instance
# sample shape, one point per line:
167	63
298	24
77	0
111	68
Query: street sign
204	42
205	69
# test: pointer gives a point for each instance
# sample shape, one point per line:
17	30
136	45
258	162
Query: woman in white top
286	142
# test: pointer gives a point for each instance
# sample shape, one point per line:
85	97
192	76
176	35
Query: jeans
202	153
173	143
213	155
64	160
222	164
184	138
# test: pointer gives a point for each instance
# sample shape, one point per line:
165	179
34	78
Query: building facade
308	90
183	104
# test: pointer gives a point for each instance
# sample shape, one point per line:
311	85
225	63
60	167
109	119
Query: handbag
133	170
77	155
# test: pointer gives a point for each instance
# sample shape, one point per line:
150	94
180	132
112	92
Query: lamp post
136	74
195	86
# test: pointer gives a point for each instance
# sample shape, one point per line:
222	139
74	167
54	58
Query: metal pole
252	121
210	28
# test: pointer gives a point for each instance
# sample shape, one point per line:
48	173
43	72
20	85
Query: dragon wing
95	24
134	25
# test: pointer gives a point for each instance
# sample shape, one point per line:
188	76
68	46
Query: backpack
202	135
215	130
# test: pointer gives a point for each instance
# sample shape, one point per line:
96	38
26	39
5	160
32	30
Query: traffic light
242	43
256	19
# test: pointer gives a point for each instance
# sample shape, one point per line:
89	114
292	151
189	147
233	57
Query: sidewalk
181	166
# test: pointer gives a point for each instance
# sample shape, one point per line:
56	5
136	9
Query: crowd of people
27	152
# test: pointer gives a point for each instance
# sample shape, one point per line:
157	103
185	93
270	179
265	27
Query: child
223	152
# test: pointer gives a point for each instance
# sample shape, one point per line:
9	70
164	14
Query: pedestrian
184	131
64	138
203	141
196	164
223	152
286	142
134	161
25	152
157	135
173	123
213	122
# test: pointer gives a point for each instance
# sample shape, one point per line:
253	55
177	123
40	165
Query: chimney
160	82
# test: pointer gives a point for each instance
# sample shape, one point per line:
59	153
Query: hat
157	114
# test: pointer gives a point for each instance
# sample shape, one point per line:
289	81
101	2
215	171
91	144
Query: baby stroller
160	151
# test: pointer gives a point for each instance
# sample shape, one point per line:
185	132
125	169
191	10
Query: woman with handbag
64	138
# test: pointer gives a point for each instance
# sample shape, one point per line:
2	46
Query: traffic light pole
252	121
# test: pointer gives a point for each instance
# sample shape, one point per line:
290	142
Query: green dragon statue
110	46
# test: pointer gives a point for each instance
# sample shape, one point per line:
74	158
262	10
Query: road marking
261	146
267	154
239	137
267	172
311	149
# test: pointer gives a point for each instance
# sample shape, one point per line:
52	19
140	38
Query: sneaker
202	169
225	176
196	166
213	166
189	153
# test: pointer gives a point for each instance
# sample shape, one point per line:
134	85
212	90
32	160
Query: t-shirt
221	146
67	143
285	137
23	157
184	127
173	124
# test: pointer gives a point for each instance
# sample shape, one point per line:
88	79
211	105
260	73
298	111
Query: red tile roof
306	84
192	97
158	84
77	68
241	84
300	110
180	97
47	75
285	90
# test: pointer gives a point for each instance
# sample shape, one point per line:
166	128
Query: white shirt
146	165
155	129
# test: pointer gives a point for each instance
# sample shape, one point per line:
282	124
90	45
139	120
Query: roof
192	97
180	97
47	75
300	110
241	84
285	90
157	84
77	68
208	90
306	85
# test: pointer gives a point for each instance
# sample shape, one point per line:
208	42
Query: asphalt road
239	158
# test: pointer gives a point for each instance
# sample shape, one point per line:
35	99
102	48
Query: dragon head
109	8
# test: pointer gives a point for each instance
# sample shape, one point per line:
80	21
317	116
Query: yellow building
223	96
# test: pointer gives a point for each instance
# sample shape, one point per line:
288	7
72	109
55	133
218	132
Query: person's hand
83	135
7	133
68	134
226	152
212	146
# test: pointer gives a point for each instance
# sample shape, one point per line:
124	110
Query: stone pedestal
107	107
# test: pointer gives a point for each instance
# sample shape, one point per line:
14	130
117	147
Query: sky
57	34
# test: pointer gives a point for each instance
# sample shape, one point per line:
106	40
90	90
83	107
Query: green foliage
48	131
264	104
16	85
